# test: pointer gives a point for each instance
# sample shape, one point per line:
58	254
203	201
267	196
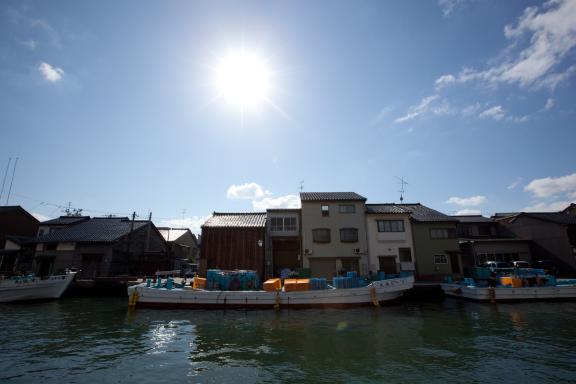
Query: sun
243	79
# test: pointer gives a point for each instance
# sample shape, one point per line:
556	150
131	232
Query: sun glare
243	79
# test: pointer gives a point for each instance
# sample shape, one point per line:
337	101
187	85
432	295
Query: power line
4	179
11	181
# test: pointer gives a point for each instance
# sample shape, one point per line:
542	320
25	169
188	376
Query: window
282	224
442	233
325	210
321	235
347	208
405	255
440	259
390	225
349	235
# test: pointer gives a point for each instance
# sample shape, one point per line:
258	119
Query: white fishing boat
34	288
375	293
494	294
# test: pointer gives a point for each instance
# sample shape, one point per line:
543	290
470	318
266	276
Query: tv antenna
301	185
402	191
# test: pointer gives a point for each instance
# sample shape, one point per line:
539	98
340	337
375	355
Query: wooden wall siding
234	248
16	223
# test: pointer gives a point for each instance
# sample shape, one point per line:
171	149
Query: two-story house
390	245
334	233
283	249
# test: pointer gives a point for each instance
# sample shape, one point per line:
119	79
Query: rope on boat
277	302
133	298
373	295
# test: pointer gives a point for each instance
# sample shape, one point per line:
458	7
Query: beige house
334	233
390	245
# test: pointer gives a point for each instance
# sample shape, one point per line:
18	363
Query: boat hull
35	288
560	292
380	291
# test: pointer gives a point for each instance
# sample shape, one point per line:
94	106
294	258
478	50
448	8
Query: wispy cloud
472	201
515	183
552	31
430	105
50	73
549	104
468	211
449	6
247	191
496	112
30	44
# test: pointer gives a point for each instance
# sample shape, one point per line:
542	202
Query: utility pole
12	181
4	179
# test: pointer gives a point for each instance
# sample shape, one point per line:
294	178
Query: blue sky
111	105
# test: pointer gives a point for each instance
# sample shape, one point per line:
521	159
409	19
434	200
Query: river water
98	340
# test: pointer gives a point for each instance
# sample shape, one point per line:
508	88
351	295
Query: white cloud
39	216
496	113
554	206
444	80
30	44
381	115
433	104
247	191
515	183
467	211
449	6
288	201
549	104
550	186
472	201
50	73
470	110
194	223
552	31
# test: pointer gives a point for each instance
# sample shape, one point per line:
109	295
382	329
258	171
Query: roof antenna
301	185
402	191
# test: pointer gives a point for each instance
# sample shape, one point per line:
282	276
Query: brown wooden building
18	225
234	241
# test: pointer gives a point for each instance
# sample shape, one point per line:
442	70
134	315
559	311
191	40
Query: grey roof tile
93	230
472	219
331	196
238	220
555	217
418	212
65	220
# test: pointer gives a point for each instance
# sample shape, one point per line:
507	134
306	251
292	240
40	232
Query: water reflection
85	340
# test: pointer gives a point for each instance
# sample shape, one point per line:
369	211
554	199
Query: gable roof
98	229
553	217
237	220
173	234
65	220
472	219
7	209
417	211
331	196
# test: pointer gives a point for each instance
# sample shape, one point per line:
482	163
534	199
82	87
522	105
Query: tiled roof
172	234
94	230
554	217
239	220
418	212
386	208
472	219
65	220
331	196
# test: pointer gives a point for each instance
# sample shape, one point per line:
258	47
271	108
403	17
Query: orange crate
272	285
291	285
199	283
